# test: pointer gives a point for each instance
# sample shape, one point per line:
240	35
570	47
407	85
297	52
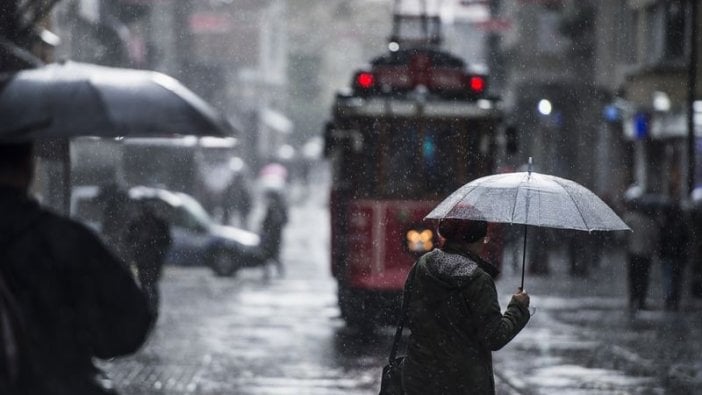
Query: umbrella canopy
529	198
70	99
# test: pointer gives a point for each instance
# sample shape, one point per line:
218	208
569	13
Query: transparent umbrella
529	198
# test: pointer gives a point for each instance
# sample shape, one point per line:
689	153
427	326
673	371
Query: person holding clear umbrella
452	302
454	316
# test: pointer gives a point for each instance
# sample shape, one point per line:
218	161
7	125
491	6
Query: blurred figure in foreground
148	239
272	230
673	253
454	316
77	301
11	330
114	218
641	248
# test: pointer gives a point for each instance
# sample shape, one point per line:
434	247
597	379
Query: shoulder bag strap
403	315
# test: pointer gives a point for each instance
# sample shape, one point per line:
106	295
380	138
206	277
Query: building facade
598	90
655	49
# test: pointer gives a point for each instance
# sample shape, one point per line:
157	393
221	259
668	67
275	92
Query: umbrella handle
521	288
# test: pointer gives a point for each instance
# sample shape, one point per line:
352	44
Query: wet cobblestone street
248	335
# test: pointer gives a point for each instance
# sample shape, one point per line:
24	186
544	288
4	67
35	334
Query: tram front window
414	160
411	160
401	165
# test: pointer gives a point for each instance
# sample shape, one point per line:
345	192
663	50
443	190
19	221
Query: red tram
416	125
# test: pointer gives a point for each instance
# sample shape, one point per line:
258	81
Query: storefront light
661	101
545	107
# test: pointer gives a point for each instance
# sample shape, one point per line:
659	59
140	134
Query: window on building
676	27
666	33
549	40
626	43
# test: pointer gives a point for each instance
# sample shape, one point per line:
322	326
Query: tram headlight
419	241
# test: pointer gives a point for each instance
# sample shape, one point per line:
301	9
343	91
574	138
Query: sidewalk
581	339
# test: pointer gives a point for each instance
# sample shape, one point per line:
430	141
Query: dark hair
462	230
14	156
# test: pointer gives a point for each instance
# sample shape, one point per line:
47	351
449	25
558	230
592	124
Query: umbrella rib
514	207
472	189
574	203
476	186
465	196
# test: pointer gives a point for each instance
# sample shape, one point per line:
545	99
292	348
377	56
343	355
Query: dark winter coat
455	322
674	237
77	300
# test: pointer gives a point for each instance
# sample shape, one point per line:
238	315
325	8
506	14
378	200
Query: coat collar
460	249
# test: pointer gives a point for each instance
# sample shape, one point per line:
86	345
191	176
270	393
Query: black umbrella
70	99
64	100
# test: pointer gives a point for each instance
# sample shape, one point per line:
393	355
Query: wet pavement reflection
252	335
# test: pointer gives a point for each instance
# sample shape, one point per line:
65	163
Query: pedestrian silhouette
272	230
76	299
148	240
540	241
114	217
582	251
642	246
695	273
14	346
675	235
237	201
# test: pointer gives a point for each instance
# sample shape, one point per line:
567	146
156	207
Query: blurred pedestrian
148	240
114	202
272	230
454	316
675	237
583	251
237	201
77	300
642	246
11	330
539	244
695	273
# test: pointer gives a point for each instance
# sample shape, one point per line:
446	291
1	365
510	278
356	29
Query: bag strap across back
403	315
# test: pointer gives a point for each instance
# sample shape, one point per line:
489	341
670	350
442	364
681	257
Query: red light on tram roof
365	80
477	84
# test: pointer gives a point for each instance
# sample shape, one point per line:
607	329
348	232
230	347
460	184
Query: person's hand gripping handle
521	297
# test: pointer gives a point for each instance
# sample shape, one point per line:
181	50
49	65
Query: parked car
197	238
